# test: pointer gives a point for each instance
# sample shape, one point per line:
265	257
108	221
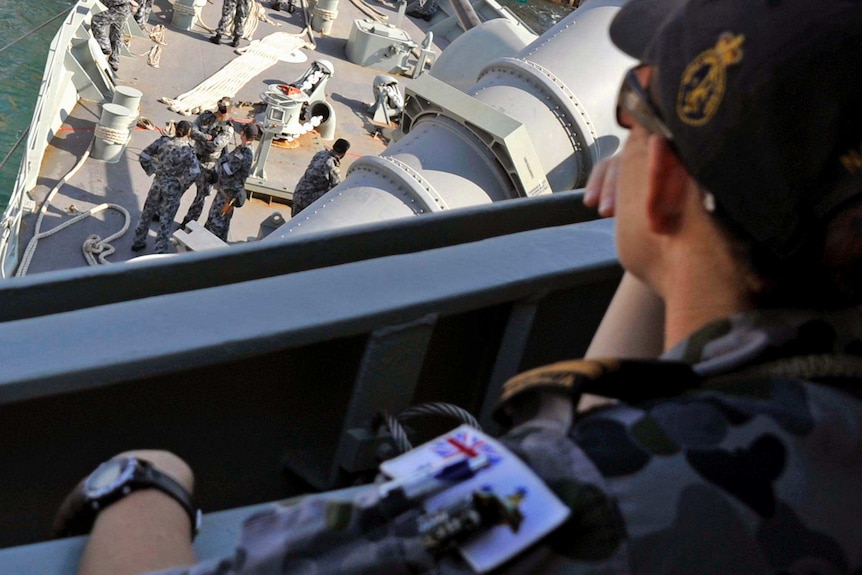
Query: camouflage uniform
176	168
322	174
240	10
233	169
288	5
702	469
148	158
107	29
207	125
142	15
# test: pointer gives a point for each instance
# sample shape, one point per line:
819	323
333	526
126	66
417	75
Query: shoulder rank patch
703	81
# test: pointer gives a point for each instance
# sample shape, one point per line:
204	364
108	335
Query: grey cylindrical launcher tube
562	88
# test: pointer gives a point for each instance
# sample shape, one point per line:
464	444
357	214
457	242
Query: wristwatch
116	478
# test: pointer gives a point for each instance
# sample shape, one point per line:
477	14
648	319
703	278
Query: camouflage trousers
163	199
217	222
107	29
143	13
238	10
204	187
303	198
420	9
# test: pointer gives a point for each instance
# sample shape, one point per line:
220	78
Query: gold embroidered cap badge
704	79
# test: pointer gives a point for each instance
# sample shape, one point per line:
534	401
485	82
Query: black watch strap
144	475
151	477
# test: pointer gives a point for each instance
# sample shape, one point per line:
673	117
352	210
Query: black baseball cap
764	102
251	131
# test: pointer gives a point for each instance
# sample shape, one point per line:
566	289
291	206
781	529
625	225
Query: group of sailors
197	152
107	26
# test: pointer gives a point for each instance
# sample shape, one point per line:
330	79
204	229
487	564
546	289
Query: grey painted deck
186	60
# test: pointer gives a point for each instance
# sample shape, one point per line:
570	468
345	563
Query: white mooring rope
255	58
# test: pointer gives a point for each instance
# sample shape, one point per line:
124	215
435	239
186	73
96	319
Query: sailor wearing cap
322	174
233	169
212	131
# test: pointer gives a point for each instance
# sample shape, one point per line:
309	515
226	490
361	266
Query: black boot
235	42
419	14
216	39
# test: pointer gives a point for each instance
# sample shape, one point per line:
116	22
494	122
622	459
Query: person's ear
667	186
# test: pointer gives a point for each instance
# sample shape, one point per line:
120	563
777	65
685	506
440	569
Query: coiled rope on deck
154	52
157	35
95	249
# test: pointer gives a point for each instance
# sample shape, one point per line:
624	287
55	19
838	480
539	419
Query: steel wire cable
33	31
399	434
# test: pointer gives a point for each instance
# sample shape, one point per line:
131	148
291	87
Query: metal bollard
131	99
323	15
112	133
185	13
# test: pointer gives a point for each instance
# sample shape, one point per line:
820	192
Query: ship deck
187	59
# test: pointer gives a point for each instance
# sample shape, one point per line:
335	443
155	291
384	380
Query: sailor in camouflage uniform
211	132
237	11
176	167
738	449
322	174
108	26
148	158
142	14
233	169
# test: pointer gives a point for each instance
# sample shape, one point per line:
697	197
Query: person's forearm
145	531
633	325
632	328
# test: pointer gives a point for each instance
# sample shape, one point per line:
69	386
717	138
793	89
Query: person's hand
601	189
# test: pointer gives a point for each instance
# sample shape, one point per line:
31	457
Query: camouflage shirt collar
734	342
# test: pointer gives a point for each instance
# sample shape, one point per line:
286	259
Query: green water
23	50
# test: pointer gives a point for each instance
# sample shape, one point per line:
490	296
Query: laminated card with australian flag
496	470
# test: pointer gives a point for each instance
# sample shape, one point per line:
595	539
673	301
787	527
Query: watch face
107	477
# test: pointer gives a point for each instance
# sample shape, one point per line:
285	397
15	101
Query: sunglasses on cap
633	102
